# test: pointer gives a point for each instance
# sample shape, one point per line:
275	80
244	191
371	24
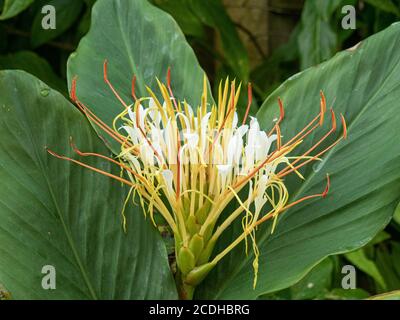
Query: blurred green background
259	41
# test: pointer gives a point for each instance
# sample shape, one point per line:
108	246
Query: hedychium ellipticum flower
188	163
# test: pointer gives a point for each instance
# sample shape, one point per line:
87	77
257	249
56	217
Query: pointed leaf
56	213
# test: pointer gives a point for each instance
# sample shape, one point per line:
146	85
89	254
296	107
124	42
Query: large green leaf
137	39
13	7
30	62
56	213
317	40
364	169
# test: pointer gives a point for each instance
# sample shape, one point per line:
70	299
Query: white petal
204	121
242	130
132	115
168	177
142	114
217	154
134	161
169	143
223	169
260	199
147	154
152	103
234	151
253	132
192	139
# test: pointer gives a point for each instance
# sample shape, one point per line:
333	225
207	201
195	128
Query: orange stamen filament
344	126
129	183
281	116
170	88
271	157
111	86
318	195
88	154
112	133
333	129
323	107
249	101
133	93
311	159
296	137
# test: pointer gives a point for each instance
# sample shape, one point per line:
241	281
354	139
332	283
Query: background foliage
316	37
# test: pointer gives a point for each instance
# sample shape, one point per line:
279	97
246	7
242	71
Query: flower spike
189	163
